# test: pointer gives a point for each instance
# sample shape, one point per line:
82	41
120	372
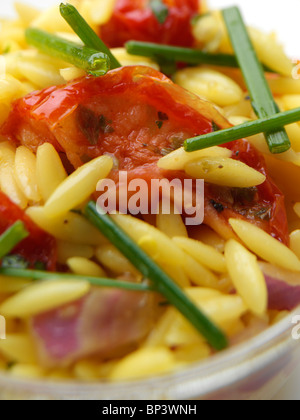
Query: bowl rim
259	350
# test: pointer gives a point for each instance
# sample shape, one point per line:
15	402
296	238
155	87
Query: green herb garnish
160	10
162	116
91	124
87	35
247	129
167	54
259	90
217	206
11	237
161	281
95	281
92	61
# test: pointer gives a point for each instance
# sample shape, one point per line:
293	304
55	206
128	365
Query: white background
282	16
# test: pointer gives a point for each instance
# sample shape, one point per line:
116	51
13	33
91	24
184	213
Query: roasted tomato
39	249
263	205
136	19
136	114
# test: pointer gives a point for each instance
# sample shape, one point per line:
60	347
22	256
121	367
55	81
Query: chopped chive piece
247	129
95	281
160	10
259	90
87	35
162	283
11	237
93	62
167	53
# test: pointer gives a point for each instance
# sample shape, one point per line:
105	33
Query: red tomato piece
39	247
135	20
136	114
263	205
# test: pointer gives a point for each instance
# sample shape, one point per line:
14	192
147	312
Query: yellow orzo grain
177	274
198	274
71	73
210	84
49	169
192	353
167	252
144	362
18	348
85	267
264	245
247	277
204	254
271	52
51	20
209	237
42	297
27	371
78	187
8	183
171	224
133	60
113	260
12	285
178	159
295	242
10	88
26	13
225	171
71	227
39	72
26	174
66	250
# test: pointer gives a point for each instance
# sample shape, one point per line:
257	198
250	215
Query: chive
88	59
95	281
162	283
247	129
11	237
86	33
262	99
181	54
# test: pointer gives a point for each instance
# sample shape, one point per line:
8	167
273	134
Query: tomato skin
131	101
134	20
39	247
131	98
266	196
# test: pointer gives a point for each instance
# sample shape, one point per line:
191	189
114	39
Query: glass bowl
253	370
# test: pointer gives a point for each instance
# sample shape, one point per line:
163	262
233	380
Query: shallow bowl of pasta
149	203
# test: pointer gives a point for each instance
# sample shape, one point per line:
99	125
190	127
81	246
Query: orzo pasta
76	306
